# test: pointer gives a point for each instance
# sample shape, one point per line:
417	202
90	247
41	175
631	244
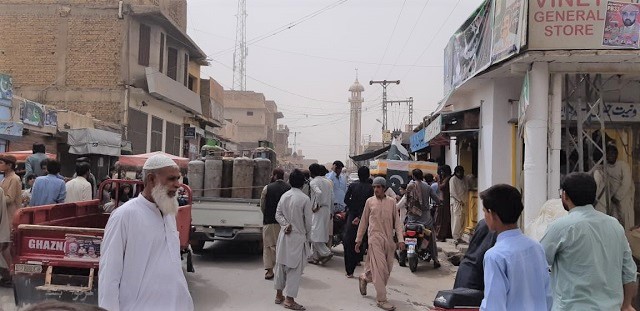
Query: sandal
363	286
349	276
294	306
279	300
268	276
385	305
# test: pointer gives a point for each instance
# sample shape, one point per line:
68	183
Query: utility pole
241	49
409	102
384	84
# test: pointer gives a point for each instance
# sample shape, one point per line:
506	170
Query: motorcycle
414	235
458	299
339	220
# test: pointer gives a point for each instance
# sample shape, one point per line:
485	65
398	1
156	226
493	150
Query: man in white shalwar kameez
459	193
140	265
617	175
321	204
292	250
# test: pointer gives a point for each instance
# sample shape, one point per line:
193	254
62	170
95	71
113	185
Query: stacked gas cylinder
222	177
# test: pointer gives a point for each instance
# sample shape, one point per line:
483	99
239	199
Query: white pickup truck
226	219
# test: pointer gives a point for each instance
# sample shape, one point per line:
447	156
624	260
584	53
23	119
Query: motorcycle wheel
402	258
413	263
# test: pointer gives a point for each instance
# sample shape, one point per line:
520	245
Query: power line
408	38
390	39
433	38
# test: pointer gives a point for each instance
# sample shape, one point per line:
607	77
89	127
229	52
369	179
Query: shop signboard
472	45
448	67
33	113
582	24
622	25
508	28
523	103
433	129
417	141
6	90
610	112
11	128
189	132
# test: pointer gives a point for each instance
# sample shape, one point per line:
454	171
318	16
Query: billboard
508	27
33	113
581	25
6	90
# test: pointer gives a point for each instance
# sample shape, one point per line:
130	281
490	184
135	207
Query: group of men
587	251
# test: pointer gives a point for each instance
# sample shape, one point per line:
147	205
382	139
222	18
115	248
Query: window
250	113
186	70
144	45
137	131
156	134
161	52
172	140
172	63
193	82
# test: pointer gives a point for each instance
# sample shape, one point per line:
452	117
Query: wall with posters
583	24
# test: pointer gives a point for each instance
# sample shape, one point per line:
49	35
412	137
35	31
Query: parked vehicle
56	248
458	299
414	235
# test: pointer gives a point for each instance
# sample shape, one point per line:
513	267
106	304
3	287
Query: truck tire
413	263
197	246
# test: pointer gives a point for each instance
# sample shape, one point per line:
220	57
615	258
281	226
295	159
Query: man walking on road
459	190
321	204
79	189
339	182
589	255
269	199
380	220
140	266
294	216
357	195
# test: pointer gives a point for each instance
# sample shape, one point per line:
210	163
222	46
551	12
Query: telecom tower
241	49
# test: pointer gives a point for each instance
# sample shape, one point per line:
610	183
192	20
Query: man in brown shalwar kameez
380	219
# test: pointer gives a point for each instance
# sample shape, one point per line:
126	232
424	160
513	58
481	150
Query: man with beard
140	266
269	199
590	258
321	204
379	220
294	216
617	200
357	195
630	32
459	192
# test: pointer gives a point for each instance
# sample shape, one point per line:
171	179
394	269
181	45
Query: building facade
253	117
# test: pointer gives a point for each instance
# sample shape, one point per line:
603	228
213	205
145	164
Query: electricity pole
409	102
384	84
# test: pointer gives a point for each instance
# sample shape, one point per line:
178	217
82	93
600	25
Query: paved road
230	277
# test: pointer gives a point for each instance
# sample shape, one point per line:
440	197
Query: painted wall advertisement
6	90
583	24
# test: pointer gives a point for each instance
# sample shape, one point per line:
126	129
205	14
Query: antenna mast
241	49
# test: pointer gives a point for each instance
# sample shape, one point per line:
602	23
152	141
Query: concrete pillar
555	139
535	141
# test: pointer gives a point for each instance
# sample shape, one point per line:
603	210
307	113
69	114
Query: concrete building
254	116
128	62
355	132
282	141
536	103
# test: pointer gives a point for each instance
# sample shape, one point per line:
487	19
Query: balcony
166	89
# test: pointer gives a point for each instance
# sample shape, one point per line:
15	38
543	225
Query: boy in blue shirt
516	274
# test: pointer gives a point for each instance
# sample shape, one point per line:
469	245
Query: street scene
432	155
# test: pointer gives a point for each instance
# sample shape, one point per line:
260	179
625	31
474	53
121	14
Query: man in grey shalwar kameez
322	205
294	216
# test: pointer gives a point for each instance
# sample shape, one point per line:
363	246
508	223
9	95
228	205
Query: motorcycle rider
425	219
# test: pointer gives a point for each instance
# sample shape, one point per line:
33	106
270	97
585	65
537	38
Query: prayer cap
158	161
380	181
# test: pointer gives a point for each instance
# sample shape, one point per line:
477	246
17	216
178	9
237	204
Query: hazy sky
308	68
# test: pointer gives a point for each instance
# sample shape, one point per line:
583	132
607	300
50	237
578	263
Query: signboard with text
433	129
610	112
576	24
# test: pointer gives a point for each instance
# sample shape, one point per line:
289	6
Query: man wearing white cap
140	265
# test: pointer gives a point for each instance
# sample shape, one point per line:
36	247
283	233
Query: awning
452	124
22	156
94	141
369	155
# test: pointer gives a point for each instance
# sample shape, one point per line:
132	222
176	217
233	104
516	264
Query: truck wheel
197	246
413	263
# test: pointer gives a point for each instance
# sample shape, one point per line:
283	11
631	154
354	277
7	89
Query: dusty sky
308	68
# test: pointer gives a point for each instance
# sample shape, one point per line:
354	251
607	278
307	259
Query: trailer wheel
197	246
